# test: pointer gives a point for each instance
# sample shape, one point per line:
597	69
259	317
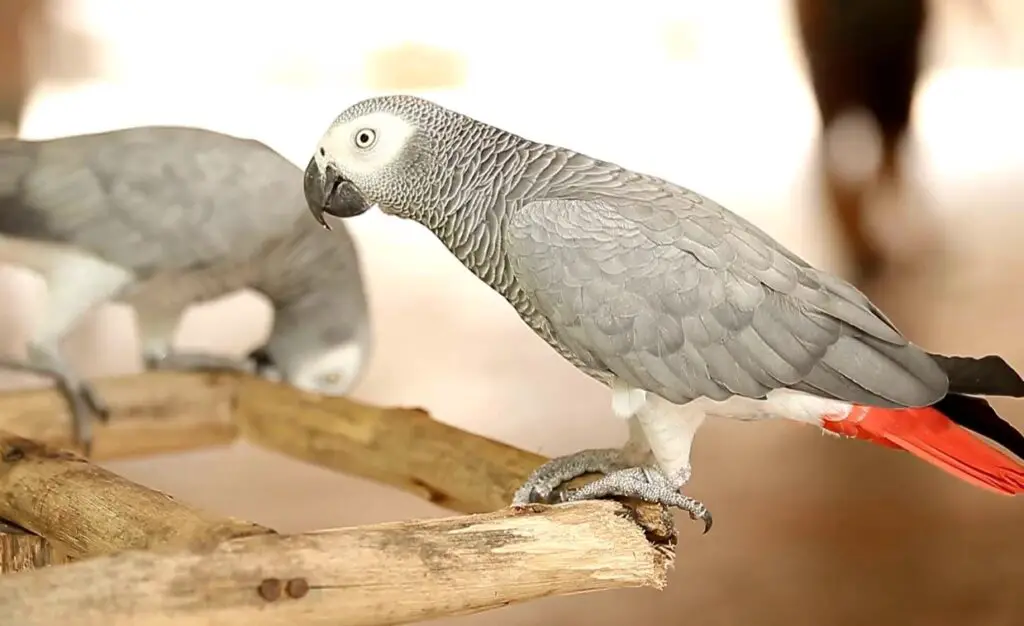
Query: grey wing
159	198
686	300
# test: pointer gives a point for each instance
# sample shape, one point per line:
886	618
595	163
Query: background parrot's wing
678	296
156	198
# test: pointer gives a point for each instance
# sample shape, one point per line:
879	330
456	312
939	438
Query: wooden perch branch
201	569
367	576
91	511
150	413
21	550
404	448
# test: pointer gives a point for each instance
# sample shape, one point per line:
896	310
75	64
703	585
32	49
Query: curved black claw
707	519
261	360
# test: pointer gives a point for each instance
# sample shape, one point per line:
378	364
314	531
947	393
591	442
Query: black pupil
364	137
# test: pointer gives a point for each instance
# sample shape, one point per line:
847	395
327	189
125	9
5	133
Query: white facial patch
340	147
333	373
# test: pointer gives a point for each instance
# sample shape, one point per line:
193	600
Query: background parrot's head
401	153
333	372
319	349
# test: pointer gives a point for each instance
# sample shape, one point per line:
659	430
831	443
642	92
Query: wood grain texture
366	576
152	413
21	550
90	511
153	561
401	447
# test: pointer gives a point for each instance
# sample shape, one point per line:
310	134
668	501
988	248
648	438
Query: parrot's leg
80	394
81	399
158	323
264	365
196	362
670	429
649	484
547	479
76	284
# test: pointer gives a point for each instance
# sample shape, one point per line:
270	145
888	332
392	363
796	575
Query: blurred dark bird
863	56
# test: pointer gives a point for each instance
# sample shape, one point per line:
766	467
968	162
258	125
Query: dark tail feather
977	415
981	376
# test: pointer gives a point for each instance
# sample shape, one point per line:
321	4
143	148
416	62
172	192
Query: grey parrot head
323	350
333	372
396	152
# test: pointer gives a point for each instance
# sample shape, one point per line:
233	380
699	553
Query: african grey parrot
162	218
683	308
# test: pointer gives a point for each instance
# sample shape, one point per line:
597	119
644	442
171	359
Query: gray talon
643	483
190	362
93	400
84	405
549	477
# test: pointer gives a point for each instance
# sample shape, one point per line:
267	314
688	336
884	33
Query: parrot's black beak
329	192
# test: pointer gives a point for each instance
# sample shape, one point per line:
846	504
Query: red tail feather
929	435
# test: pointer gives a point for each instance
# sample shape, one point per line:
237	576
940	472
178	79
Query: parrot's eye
365	138
329	380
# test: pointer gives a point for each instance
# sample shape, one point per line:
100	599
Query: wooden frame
90	547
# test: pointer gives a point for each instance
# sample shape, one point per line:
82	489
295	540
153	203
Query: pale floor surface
809	530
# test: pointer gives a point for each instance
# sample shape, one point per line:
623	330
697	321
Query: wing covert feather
685	299
158	197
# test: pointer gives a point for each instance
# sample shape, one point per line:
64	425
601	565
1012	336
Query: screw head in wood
297	587
270	589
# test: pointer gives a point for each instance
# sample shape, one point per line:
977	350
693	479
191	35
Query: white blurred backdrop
709	94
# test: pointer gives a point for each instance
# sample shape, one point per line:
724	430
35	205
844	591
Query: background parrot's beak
327	191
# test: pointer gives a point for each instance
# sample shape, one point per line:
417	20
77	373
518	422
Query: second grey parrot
162	218
683	308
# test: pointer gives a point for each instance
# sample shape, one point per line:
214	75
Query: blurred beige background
808	530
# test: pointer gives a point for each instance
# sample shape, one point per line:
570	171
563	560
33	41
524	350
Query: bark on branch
21	550
405	448
151	413
203	569
365	576
90	511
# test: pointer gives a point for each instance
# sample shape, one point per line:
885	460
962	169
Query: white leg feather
670	429
77	282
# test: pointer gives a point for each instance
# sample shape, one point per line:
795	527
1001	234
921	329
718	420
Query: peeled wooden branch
405	448
91	511
210	570
151	413
21	550
367	576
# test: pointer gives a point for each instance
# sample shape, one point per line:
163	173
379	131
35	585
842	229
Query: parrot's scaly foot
93	400
264	365
643	483
196	362
547	478
83	403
